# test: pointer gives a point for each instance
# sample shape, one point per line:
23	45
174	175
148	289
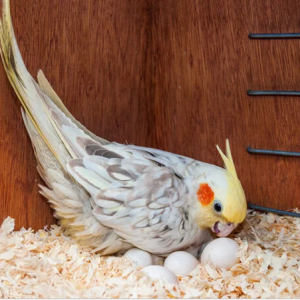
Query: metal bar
273	93
273	210
274	35
272	152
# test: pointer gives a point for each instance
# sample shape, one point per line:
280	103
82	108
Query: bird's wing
49	91
178	164
142	202
135	191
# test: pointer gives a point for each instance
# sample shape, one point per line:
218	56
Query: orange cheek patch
205	194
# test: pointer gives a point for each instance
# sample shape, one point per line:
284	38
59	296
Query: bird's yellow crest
240	202
228	161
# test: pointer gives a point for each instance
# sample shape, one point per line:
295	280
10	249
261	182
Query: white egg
181	263
221	253
159	272
140	257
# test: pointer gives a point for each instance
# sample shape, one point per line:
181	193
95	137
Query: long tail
71	201
26	88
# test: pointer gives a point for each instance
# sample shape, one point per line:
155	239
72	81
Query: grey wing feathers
142	202
70	201
49	91
134	190
75	139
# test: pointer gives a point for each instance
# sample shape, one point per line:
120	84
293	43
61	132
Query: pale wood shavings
48	264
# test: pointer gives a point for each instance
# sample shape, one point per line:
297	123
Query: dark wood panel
166	74
204	65
95	54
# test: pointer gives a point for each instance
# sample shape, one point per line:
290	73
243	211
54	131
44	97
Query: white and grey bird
111	196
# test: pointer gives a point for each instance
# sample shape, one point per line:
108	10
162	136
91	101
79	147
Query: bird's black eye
218	207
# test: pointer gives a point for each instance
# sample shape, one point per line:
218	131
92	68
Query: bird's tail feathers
46	118
49	91
26	88
71	202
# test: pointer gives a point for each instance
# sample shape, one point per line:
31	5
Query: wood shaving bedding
47	264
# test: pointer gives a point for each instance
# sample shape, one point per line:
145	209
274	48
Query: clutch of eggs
221	253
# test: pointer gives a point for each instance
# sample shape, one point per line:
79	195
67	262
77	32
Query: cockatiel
111	196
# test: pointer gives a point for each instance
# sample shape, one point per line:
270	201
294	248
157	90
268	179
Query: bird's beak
222	230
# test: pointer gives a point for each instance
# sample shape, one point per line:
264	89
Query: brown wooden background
167	74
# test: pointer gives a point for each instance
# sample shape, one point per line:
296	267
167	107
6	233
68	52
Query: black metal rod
273	93
274	35
272	152
273	210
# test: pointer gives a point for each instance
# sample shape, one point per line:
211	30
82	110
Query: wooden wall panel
204	65
166	74
95	55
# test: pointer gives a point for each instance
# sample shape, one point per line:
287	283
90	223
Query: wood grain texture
95	55
205	63
166	74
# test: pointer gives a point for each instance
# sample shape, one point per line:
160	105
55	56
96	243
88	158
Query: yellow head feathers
236	208
228	161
